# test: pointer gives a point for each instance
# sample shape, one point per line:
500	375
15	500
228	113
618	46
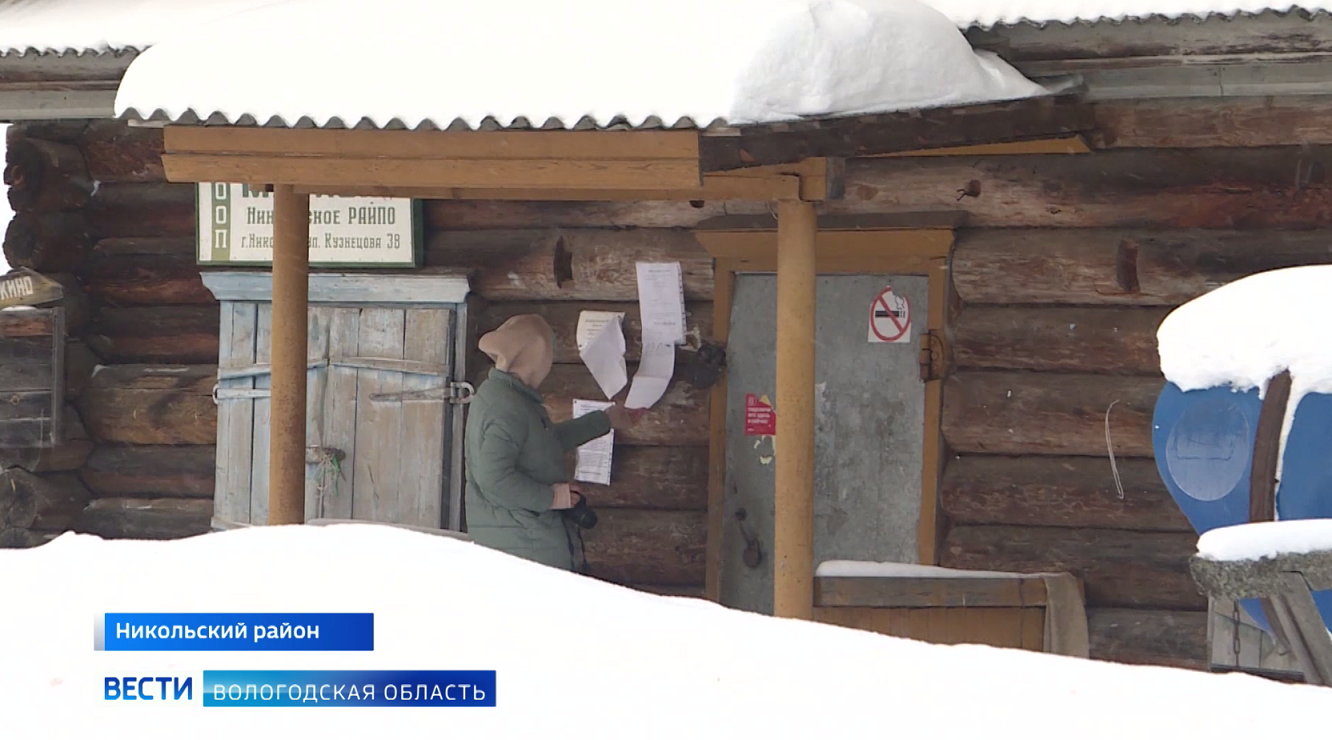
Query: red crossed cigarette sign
890	318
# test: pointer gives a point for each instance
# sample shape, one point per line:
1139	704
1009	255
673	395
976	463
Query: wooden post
793	522
291	292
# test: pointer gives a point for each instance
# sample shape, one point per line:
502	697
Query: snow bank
987	13
1266	539
687	60
576	658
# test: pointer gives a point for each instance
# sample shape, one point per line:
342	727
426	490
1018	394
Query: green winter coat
514	454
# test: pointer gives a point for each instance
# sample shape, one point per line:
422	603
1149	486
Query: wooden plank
1234	122
151	405
1006	413
1119	267
20	405
235	419
343	170
1139	188
145	334
435	145
430	287
723	294
945	626
19	324
146	519
1149	637
680	418
340	417
23	287
323	472
648	547
929	529
923	592
139	471
1267	450
1074	144
585	265
1117	568
654	478
69	454
263	417
1064	339
1058	492
377	474
563	318
427	339
714	187
27	375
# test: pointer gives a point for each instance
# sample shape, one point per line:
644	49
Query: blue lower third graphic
349	688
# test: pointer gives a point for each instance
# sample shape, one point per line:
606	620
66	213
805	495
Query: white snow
988	13
740	61
1259	540
576	658
1244	333
868	569
103	25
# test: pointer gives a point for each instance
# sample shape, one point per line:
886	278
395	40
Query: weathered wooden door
378	413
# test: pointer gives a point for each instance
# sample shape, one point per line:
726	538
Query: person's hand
622	418
563	497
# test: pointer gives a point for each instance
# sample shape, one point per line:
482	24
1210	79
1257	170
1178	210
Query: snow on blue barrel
1203	427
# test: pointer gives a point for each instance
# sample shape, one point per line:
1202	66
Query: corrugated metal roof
991	13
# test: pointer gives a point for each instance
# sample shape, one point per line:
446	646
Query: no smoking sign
890	318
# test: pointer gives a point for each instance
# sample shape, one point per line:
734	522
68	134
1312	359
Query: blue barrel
1203	440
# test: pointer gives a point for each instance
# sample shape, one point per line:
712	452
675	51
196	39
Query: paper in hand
595	457
603	351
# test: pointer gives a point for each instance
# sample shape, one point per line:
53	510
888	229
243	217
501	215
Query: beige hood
523	346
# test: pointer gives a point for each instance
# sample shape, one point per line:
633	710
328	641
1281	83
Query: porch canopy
590	100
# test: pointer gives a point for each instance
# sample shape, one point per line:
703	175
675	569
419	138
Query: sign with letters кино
235	227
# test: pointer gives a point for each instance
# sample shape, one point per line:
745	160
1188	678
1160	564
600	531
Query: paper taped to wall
595	457
653	377
661	304
591	323
603	352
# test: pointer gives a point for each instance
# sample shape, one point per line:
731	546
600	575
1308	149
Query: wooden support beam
900	251
793	525
291	288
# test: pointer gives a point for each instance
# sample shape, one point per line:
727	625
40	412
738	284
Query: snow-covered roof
989	13
1259	540
542	64
574	657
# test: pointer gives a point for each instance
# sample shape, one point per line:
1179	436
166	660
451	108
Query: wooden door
377	421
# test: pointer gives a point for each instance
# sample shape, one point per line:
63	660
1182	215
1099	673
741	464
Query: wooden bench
1285	584
1040	612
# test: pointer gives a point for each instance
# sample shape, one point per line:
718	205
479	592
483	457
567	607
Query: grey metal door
869	412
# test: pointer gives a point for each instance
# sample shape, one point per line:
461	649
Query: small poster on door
760	419
889	318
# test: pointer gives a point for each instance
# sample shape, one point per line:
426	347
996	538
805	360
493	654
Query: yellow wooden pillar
291	294
793	523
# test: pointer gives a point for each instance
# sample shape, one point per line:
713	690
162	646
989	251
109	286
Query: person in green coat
516	458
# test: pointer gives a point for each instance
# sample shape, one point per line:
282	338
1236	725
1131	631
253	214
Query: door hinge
457	393
933	360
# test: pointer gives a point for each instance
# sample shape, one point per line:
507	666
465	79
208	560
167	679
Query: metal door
869	437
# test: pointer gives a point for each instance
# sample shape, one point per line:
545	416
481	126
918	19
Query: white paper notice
654	375
661	302
590	324
603	354
594	458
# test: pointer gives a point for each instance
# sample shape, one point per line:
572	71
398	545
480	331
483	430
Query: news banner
341	632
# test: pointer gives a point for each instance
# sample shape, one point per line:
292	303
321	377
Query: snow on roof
1246	332
989	13
80	26
555	65
575	657
1260	540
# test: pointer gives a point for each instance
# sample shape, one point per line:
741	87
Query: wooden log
653	478
1117	567
1214	122
16	538
146	271
459	215
78	307
142	210
146	518
116	152
1058	492
80	363
1079	340
47	242
688	592
1119	267
563	318
45	176
1048	414
50	502
151	405
663	548
573	265
70	454
156	334
139	471
679	419
1149	637
1160	188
